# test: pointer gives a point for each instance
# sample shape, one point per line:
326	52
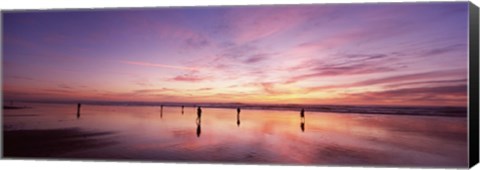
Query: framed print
355	84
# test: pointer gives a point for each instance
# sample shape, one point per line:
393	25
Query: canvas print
374	84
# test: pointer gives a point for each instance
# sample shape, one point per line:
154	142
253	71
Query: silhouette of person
199	112
238	116
161	111
182	109
302	121
78	110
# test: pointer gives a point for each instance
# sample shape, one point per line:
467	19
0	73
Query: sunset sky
366	54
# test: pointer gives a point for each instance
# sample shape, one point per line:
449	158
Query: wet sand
224	136
51	143
15	107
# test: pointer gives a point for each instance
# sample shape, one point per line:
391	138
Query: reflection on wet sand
269	136
302	125
238	120
238	116
302	120
199	128
161	112
199	121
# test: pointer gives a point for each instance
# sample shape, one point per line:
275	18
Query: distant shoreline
450	111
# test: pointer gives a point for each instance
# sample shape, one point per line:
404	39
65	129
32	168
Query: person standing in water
78	110
302	113
238	116
302	121
161	111
199	112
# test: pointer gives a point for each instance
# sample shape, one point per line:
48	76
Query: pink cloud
142	91
205	89
264	22
269	88
158	65
256	58
170	28
336	40
416	76
416	83
439	95
342	70
343	65
190	38
189	78
393	80
342	36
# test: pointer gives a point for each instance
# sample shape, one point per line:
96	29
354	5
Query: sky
345	54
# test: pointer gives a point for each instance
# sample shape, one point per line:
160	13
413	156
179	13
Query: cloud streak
146	64
189	78
265	22
149	91
350	64
395	81
439	95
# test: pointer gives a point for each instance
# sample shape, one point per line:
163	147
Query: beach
150	133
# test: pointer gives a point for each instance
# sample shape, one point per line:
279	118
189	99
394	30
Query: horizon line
166	103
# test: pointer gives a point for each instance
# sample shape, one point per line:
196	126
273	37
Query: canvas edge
473	85
473	100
